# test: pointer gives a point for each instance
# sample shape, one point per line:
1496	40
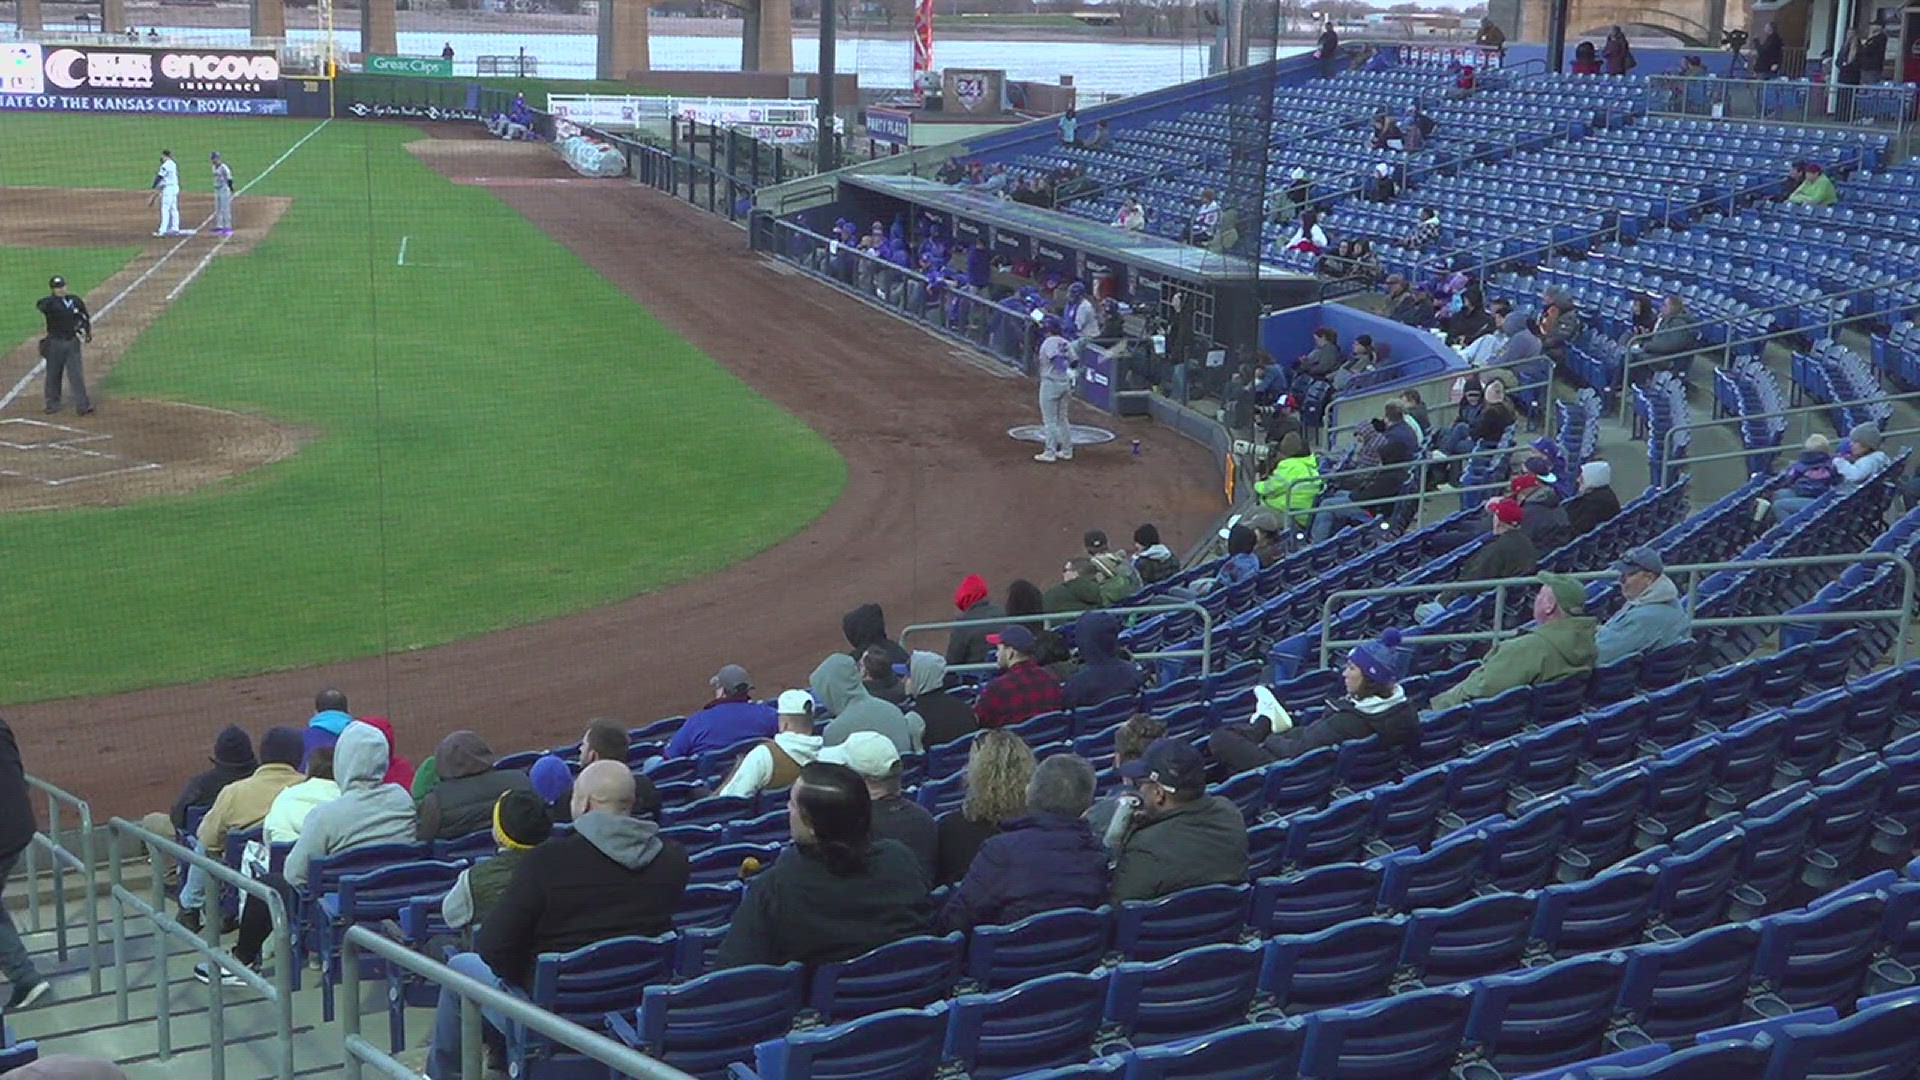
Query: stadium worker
166	189
1561	644
68	323
614	876
1653	616
222	196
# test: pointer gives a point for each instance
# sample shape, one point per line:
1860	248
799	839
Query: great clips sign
28	68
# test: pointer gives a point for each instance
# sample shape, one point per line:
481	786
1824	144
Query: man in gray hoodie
1652	617
368	811
837	688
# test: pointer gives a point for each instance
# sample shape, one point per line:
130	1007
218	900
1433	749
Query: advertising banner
1011	244
968	232
1096	378
31	69
193	106
1054	257
414	66
890	126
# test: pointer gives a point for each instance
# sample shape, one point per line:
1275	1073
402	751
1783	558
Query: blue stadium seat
583	986
1351	962
1414	1034
1250	1052
704	1025
1200	990
1478	937
1052	942
367	896
1553	1015
1608	911
906	974
1881	1040
1038	1024
1313	900
1821	956
1152	929
1442	876
897	1043
1676	990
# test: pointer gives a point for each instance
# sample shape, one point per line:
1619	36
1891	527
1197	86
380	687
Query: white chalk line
40	368
402	260
199	266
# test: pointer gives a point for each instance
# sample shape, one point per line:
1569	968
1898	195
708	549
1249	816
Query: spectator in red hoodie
399	769
968	644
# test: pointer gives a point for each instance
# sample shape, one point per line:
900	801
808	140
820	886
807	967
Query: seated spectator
1810	476
776	762
1652	618
1099	139
1337	511
1595	502
1374	705
1023	689
552	782
1402	305
998	768
837	891
1079	588
865	627
1294	482
1560	645
469	785
1360	359
1324	358
232	759
1182	836
1860	458
520	824
1414	408
1811	185
606	740
1112	569
995	181
1387	134
1045	858
368	811
1308	236
1482	341
1426	229
731	718
837	689
1421	119
329	719
1545	459
1413	138
613	876
1586	59
1271	538
1206	218
1025	598
1542	518
1674	332
1642	315
1242	561
1226	235
1381	187
1360	265
1112	815
400	771
1339	263
878	676
1151	559
944	716
1522	354
1132	216
1393	426
1484	419
968	644
894	817
1509	554
292	805
243	804
1104	674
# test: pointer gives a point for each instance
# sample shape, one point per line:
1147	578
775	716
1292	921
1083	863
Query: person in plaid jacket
1023	689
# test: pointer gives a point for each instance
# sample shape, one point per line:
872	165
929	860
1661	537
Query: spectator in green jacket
520	823
1560	644
1280	491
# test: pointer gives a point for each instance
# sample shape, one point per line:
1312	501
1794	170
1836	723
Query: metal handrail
277	989
474	996
62	860
1333	433
1770	451
1667	443
1628	363
1204	652
1499	586
1422	463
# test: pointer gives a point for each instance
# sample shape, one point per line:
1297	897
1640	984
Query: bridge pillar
30	17
377	28
1507	15
622	39
773	38
750	36
268	18
113	16
1530	20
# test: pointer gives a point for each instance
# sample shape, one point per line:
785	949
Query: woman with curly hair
998	768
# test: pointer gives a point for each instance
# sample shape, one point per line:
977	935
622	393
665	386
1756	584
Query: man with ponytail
1374	704
835	892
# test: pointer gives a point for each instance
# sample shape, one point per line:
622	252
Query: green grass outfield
23	279
501	435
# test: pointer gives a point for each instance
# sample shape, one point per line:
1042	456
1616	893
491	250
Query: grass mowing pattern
502	435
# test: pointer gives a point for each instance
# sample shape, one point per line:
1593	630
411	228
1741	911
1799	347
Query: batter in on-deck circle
222	197
166	188
67	323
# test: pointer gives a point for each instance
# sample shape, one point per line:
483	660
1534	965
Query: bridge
1693	22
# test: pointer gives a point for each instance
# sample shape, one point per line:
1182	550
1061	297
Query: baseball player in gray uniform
222	197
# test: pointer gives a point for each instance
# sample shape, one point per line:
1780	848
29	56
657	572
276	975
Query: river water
1098	67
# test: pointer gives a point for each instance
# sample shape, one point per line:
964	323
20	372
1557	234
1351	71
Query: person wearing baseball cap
895	817
732	717
1509	554
1652	618
1374	704
775	763
1023	689
1182	836
1560	645
68	323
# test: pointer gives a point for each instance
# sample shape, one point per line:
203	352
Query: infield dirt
935	489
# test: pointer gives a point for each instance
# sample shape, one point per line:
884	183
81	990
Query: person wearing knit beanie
1595	502
1374	704
242	805
520	824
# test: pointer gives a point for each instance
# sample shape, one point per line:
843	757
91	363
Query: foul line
41	367
199	266
402	260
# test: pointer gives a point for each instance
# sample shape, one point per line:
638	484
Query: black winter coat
16	804
1394	719
1588	509
798	909
202	789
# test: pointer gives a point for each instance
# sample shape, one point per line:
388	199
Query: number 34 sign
973	91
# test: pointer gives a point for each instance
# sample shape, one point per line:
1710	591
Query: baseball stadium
1339	546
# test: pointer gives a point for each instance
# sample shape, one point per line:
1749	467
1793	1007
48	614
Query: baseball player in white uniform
166	188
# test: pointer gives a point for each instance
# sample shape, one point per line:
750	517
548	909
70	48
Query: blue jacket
1036	863
722	724
1102	675
332	721
1653	620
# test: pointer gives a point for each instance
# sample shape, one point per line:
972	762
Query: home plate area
56	455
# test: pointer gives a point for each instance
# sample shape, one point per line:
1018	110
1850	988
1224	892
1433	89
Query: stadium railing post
63	859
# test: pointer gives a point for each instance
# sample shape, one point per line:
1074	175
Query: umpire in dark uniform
67	323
